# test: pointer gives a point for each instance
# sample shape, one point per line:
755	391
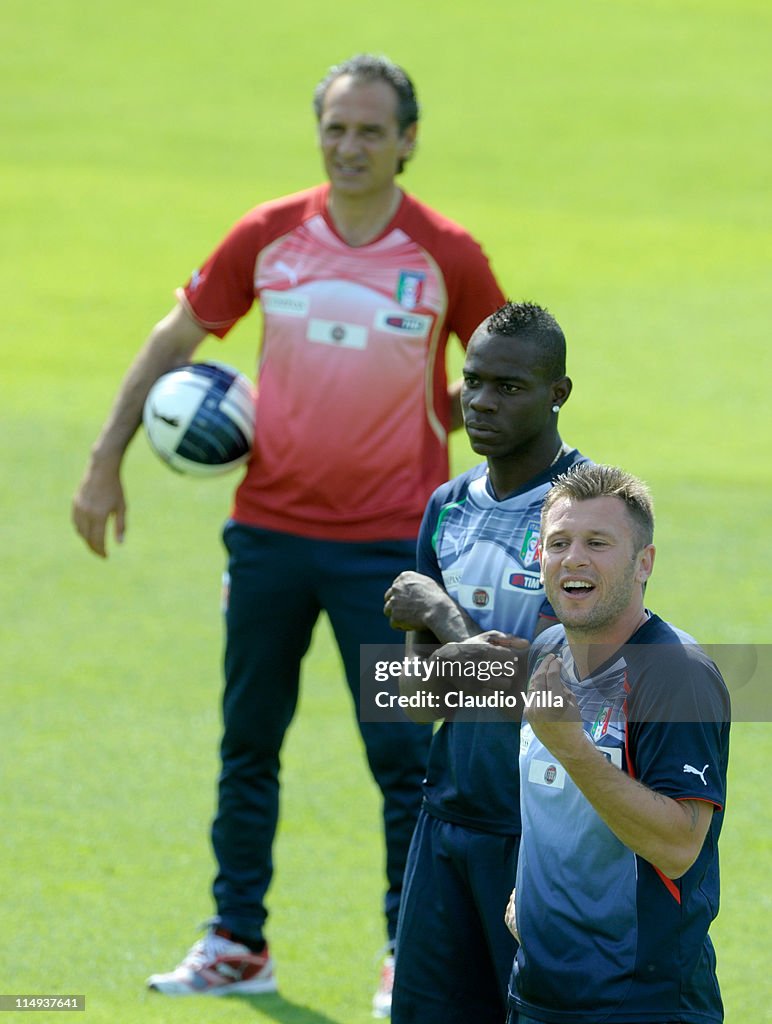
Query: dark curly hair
526	319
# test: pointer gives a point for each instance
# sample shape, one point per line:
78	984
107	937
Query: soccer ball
200	418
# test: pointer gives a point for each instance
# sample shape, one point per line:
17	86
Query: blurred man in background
360	286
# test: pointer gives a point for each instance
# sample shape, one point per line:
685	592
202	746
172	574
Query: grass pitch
611	157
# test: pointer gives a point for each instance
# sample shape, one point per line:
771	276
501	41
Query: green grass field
614	158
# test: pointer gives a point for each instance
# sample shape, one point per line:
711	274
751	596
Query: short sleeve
221	291
678	724
475	291
426	556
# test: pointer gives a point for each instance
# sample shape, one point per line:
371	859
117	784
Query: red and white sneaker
217	966
382	997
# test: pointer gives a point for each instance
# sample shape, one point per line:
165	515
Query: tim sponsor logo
523	581
405	323
410	325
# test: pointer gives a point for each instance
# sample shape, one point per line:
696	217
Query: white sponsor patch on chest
471	596
547	773
284	303
613	754
337	333
406	325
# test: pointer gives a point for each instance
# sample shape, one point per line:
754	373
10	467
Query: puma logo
695	771
291	272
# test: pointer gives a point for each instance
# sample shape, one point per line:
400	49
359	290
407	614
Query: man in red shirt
360	286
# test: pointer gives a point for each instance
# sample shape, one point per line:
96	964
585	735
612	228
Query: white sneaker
217	966
382	997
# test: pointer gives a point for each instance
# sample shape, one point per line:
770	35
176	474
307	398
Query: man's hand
558	728
412	599
485	647
668	833
510	918
500	661
172	343
100	496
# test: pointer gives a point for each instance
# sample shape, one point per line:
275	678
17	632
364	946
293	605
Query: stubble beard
603	614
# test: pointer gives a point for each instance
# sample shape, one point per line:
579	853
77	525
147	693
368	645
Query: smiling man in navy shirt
622	791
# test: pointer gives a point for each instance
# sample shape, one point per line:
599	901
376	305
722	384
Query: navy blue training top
604	934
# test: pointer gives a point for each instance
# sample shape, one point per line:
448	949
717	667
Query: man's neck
512	472
591	649
359	220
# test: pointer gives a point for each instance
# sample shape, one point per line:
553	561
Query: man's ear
645	563
561	389
408	140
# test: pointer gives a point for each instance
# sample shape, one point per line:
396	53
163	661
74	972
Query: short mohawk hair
536	323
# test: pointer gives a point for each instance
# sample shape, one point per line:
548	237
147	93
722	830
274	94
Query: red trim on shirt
670	884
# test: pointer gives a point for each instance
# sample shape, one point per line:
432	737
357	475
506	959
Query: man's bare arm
100	495
667	833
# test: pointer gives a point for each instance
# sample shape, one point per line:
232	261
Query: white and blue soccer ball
200	418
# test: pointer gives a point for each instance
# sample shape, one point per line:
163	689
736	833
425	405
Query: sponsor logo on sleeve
689	770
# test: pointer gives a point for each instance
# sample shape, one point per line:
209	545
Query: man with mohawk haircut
478	569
